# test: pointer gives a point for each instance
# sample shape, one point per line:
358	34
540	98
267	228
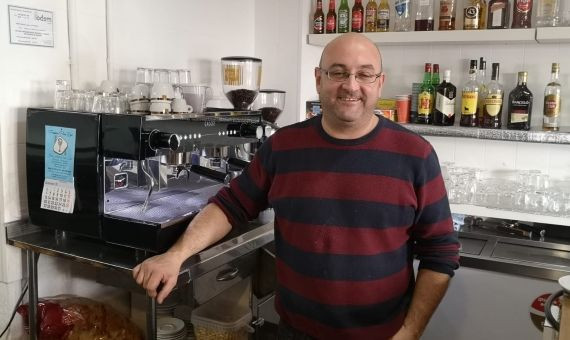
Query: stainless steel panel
532	254
471	245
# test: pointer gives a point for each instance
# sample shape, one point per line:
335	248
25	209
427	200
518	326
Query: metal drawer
216	281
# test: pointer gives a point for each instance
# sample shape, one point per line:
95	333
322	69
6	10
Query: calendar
58	193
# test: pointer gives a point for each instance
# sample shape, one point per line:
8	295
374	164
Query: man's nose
351	82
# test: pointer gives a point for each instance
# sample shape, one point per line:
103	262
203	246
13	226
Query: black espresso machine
132	180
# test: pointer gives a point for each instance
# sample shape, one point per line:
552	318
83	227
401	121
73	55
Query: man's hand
158	269
405	334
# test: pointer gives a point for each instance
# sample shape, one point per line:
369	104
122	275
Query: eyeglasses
360	76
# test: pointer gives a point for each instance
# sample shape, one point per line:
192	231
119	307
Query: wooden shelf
506	36
551	35
475	210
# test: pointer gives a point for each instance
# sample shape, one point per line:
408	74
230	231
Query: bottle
469	96
522	11
435	75
319	19
552	102
331	18
426	98
520	105
371	10
471	14
424	16
444	113
446	15
483	15
343	25
498	14
482	81
493	102
357	17
402	16
383	17
548	13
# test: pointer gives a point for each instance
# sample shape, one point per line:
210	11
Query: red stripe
404	142
343	292
342	240
431	191
320	331
372	188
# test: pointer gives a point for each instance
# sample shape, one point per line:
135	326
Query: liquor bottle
552	102
483	15
446	15
471	14
319	19
331	17
493	102
444	113
548	13
482	81
520	105
426	98
424	16
343	17
371	10
357	17
435	75
498	14
402	16
522	12
383	17
469	96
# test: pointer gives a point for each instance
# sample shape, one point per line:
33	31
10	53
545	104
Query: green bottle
435	75
426	98
343	17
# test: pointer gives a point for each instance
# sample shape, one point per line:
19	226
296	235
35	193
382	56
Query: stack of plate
170	329
166	308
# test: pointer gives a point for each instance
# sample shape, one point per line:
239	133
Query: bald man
356	198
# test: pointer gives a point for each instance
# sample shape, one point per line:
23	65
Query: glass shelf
475	210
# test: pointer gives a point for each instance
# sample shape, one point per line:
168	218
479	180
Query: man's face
349	101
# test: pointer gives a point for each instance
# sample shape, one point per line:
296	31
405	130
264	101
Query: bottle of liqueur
358	17
370	21
471	14
383	17
483	15
444	113
331	17
482	81
446	15
426	98
522	12
343	17
435	75
469	96
498	14
493	102
548	13
319	19
552	102
402	16
520	105
424	15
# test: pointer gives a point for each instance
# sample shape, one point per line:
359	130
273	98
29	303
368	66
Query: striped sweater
349	217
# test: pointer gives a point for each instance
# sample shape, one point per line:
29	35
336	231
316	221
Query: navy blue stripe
429	170
373	162
435	212
446	239
343	212
343	316
250	188
342	267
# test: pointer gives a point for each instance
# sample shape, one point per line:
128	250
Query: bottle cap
555	67
435	68
447	75
473	64
427	67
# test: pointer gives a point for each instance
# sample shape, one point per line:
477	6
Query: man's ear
318	78
381	84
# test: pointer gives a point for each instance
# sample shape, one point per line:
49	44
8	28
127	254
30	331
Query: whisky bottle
520	105
471	14
370	21
469	96
383	16
493	102
426	98
498	14
447	15
444	113
552	102
343	17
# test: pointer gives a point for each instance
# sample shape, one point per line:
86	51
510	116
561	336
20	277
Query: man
355	197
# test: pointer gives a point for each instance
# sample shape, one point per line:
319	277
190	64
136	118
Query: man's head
350	101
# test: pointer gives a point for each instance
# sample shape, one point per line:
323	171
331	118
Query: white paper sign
30	26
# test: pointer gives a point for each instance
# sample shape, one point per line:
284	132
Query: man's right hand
160	269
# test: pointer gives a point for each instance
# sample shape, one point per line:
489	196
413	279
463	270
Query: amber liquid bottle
357	17
331	18
498	14
370	21
520	105
446	15
469	98
319	19
493	101
522	12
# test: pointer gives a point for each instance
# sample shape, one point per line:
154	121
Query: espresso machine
132	180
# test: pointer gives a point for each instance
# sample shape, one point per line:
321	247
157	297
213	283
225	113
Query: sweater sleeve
246	194
435	242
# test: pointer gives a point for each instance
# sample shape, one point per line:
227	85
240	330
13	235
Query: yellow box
386	104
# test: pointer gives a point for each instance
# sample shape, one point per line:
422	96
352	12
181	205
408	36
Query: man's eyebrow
366	67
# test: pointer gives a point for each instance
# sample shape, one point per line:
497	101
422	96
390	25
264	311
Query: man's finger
166	289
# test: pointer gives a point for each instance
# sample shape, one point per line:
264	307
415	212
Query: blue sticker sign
59	153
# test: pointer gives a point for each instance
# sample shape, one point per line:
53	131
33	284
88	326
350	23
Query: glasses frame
348	74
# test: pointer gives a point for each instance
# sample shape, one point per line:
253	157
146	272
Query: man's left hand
405	334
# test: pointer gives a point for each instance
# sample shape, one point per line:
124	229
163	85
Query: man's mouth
349	99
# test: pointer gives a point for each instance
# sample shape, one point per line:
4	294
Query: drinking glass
62	95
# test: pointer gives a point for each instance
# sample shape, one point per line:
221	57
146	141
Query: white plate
167	326
564	282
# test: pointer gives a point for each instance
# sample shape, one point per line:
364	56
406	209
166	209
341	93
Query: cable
14	311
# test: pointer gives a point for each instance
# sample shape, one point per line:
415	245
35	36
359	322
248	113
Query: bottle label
424	2
519	115
445	10
342	20
356	20
331	24
383	14
424	103
552	105
497	14
523	6
471	17
493	105
445	105
318	25
371	17
469	103
401	7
